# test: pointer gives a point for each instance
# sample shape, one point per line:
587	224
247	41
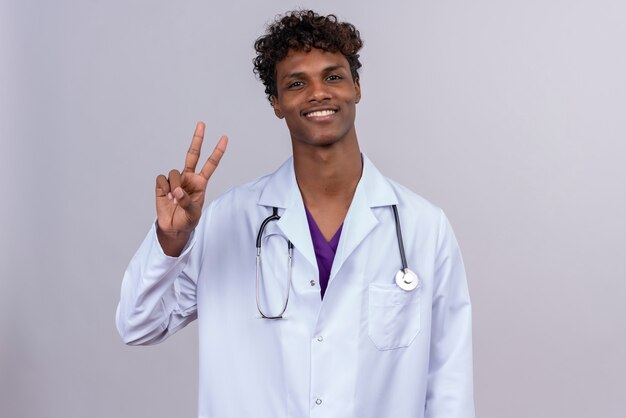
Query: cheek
293	124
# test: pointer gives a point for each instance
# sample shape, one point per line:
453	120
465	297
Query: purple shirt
324	251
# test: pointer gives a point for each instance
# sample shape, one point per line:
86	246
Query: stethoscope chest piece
407	280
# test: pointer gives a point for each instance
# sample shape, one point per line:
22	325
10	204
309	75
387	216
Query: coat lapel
282	191
372	191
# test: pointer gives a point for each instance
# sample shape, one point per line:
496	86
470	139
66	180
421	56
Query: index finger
191	159
214	159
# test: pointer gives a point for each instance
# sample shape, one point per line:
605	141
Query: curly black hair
302	30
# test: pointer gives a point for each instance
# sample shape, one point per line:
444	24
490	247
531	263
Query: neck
328	175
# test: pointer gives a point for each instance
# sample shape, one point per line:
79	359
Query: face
316	97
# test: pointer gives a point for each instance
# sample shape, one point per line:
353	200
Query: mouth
320	114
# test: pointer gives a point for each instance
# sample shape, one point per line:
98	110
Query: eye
334	77
295	84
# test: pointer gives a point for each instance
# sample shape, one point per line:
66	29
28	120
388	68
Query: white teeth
320	113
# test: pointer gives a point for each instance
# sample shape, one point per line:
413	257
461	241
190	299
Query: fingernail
169	196
178	192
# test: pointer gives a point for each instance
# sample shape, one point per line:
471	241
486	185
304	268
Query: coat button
312	282
318	401
320	338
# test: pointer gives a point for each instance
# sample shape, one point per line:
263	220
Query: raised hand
180	196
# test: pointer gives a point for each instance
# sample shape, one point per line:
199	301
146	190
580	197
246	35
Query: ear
277	111
357	88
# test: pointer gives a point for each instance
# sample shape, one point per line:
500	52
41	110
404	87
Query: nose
318	92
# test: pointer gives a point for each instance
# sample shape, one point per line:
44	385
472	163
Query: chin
324	139
322	142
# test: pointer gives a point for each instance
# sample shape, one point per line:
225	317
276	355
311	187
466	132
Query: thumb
185	202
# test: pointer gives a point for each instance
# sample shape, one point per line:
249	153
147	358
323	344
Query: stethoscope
406	279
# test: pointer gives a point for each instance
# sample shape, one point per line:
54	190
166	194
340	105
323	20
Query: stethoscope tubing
273	217
399	235
406	279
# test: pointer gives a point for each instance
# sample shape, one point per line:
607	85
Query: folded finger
162	186
173	179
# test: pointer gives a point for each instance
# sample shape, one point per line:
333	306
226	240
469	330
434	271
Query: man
328	321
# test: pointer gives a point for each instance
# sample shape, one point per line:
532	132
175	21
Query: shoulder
414	202
240	196
384	191
232	209
417	211
423	220
273	189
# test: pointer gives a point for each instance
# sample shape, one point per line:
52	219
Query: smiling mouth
320	113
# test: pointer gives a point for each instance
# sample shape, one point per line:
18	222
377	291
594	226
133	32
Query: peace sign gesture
180	196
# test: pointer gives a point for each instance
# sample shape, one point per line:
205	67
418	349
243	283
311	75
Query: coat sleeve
450	377
158	295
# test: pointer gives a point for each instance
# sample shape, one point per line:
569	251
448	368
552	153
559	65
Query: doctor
327	320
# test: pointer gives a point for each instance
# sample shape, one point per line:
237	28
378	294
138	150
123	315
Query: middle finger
193	154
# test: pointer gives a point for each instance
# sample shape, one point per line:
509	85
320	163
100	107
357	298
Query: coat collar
373	190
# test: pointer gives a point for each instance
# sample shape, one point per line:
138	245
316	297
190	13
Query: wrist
172	242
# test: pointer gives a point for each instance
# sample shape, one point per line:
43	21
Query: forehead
310	62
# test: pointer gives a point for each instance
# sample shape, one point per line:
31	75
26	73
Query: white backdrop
508	114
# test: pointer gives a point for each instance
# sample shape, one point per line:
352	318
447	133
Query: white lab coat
368	350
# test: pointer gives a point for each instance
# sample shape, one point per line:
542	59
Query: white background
511	115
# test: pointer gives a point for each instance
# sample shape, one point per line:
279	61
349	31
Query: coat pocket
394	315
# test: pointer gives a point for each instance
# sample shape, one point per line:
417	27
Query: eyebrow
300	74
